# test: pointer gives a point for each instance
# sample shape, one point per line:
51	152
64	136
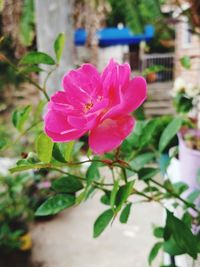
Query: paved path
66	241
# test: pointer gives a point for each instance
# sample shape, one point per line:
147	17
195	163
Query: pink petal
131	99
87	79
115	78
56	137
135	94
59	101
57	127
99	105
75	95
86	122
124	75
110	83
110	134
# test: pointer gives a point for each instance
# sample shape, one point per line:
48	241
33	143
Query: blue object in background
115	36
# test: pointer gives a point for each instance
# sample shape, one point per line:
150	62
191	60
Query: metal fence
166	60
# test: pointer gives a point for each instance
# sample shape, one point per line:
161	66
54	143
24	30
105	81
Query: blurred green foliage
27	23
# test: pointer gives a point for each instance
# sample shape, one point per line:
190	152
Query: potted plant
151	73
186	101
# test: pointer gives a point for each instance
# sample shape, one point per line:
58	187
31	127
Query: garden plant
88	126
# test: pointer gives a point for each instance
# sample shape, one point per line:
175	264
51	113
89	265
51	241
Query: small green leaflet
154	252
186	62
20	116
35	57
123	193
147	173
67	184
141	160
59	46
114	193
92	173
125	213
170	131
102	222
55	204
44	148
182	235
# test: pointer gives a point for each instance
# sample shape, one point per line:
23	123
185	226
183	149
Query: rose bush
101	105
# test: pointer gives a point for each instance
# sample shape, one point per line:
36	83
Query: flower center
88	106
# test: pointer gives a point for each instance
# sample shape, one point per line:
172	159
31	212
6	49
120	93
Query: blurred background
160	40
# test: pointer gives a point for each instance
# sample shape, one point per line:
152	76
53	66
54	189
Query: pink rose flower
94	103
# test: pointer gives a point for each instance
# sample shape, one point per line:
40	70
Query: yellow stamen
88	106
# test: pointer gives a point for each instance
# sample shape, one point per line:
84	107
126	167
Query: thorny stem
123	165
175	195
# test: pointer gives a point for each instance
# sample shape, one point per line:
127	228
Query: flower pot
189	161
151	77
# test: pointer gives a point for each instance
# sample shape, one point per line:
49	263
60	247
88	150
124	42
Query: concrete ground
66	241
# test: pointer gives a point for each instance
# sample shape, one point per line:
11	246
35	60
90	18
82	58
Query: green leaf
146	173
154	252
187	219
68	150
3	143
170	131
180	187
59	46
182	103
20	116
55	204
139	162
186	62
37	58
105	199
193	196
158	232
29	69
26	31
123	194
134	138
92	172
114	193
148	132
125	213
44	148
172	248
102	222
182	235
67	184
57	154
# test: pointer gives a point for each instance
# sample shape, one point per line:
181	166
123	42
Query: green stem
47	77
29	79
169	191
175	195
22	134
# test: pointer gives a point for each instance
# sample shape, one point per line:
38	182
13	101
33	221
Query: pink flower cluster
96	103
